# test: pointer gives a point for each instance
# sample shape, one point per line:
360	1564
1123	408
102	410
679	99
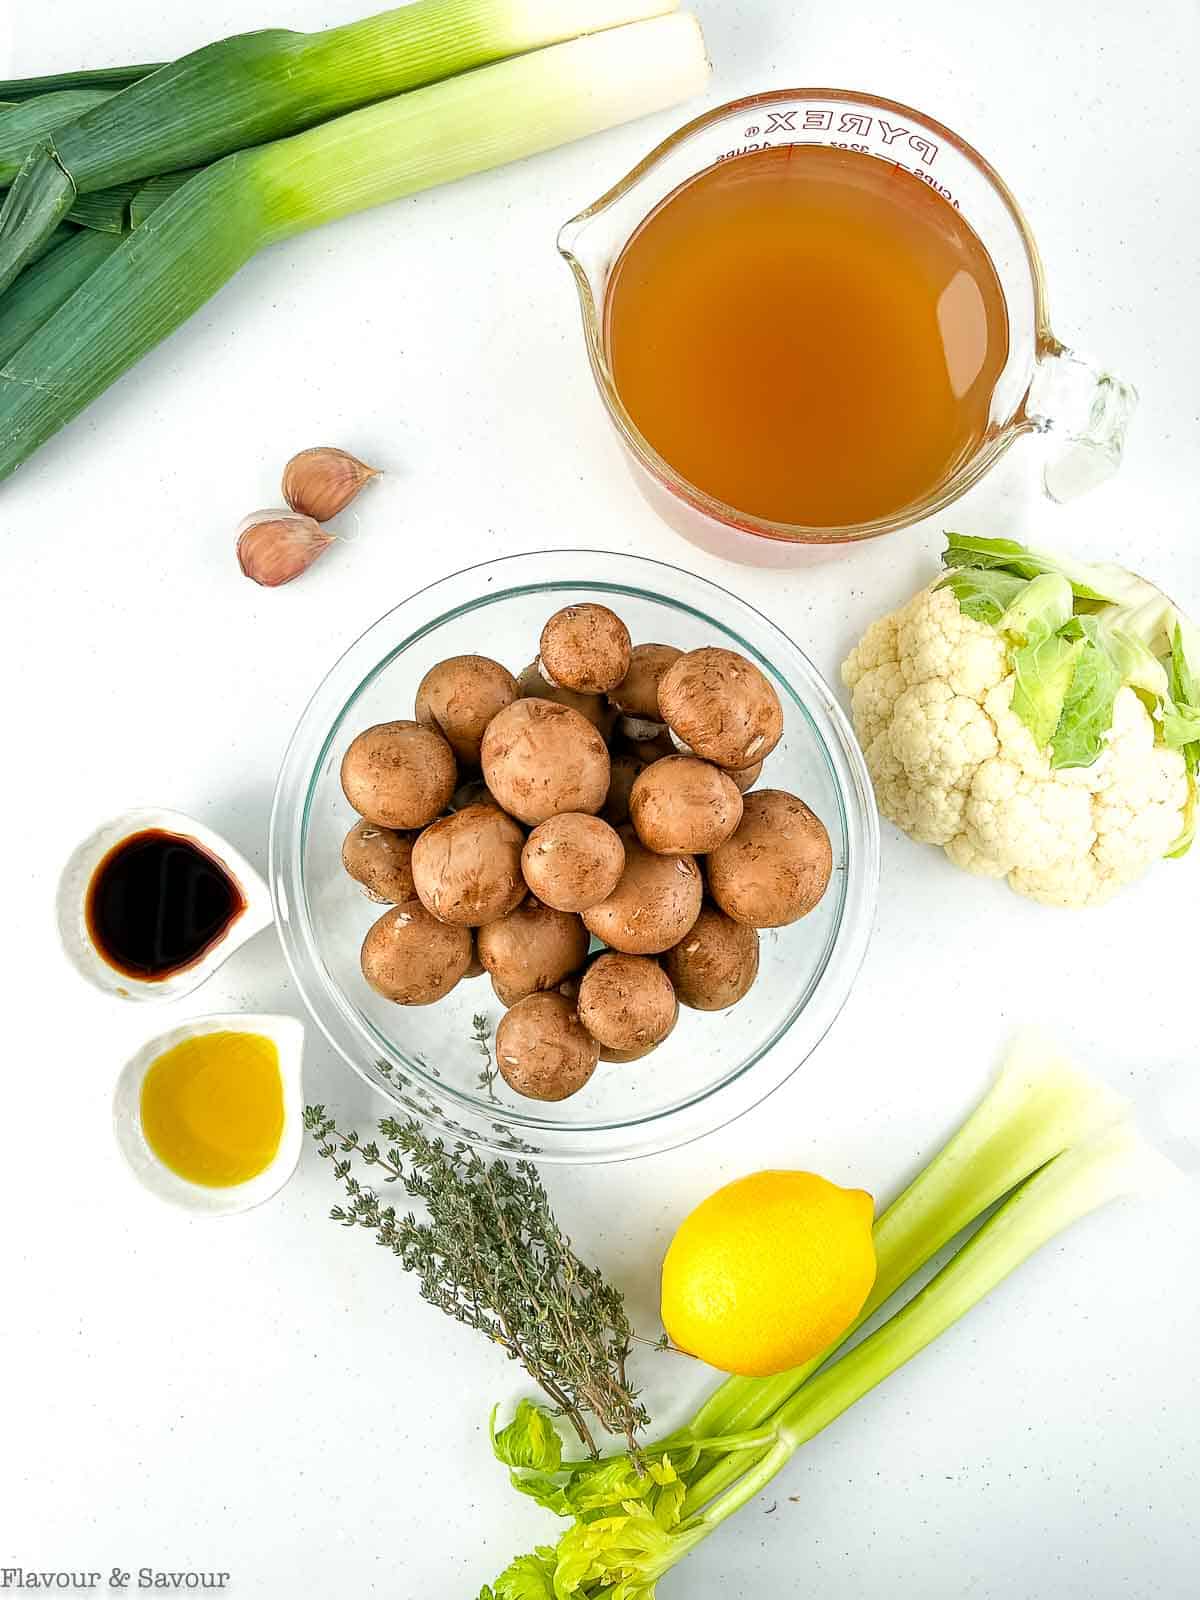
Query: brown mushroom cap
585	648
721	706
746	777
543	1051
777	865
573	860
607	1054
637	693
683	806
410	957
531	949
459	697
380	859
467	867
715	962
399	774
623	775
594	707
540	758
626	1002
654	904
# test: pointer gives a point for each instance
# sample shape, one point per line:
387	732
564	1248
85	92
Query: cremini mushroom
635	699
399	774
380	859
459	697
540	758
653	905
573	860
467	867
543	1051
715	962
746	777
410	957
721	707
585	648
626	1002
531	949
776	866
684	806
533	685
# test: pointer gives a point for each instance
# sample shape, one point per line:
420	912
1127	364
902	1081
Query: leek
108	210
112	79
200	236
631	1522
254	87
22	126
42	288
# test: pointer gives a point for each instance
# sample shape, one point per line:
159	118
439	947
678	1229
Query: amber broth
810	335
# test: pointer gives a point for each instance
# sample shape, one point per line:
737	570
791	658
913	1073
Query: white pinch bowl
255	915
287	1034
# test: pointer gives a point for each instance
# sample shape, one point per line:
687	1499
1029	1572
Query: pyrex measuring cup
1043	388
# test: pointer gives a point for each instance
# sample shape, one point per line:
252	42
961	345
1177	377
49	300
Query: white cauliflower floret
953	765
935	642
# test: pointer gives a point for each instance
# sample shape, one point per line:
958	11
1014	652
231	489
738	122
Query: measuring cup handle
1086	412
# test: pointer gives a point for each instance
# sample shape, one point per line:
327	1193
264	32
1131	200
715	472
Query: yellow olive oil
212	1107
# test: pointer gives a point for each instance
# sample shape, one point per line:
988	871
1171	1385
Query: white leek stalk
200	236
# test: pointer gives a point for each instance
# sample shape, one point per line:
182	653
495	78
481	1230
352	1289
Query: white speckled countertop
267	1397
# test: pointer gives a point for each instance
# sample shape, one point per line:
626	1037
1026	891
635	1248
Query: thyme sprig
492	1256
481	1038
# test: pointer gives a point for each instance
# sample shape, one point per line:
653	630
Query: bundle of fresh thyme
491	1255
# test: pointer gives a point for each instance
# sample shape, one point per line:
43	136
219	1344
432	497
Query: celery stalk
623	1544
1038	1107
211	226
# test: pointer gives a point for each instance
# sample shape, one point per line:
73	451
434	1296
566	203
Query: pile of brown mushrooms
516	821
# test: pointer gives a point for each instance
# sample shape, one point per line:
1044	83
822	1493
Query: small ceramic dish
287	1034
254	916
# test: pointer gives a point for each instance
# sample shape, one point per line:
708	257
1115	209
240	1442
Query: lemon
768	1271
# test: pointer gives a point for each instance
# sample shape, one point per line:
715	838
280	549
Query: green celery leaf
1043	673
1044	605
981	594
1087	712
547	1491
527	1578
530	1440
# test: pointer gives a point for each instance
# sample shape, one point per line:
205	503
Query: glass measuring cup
1043	387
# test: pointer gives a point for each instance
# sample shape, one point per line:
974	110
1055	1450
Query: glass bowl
426	1060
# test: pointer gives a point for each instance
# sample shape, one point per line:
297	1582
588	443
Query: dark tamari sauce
158	902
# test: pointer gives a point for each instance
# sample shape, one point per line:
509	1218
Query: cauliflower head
953	765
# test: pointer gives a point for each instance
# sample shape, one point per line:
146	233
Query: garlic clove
274	547
323	481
